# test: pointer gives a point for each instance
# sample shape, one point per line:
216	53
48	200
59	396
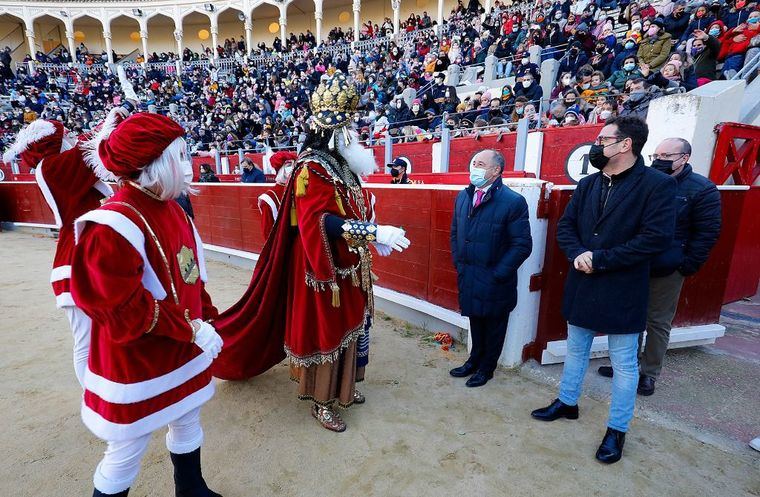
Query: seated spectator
736	42
532	116
599	86
735	13
602	59
639	98
655	46
565	82
602	112
507	99
702	59
677	22
572	118
529	89
702	20
667	78
573	60
207	175
628	71
251	173
519	109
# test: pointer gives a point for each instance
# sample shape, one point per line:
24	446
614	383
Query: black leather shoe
556	410
479	379
605	371
611	449
646	385
98	493
465	369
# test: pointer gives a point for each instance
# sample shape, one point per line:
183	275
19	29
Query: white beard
360	160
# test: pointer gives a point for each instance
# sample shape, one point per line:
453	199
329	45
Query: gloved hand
383	250
392	237
117	115
207	338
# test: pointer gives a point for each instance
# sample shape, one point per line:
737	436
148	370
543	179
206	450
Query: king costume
138	272
310	297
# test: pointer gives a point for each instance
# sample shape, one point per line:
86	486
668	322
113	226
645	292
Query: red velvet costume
307	292
269	206
143	370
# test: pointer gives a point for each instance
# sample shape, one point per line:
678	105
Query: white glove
117	114
392	237
208	339
382	249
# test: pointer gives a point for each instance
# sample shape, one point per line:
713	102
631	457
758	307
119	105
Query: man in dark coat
697	228
251	173
490	239
617	221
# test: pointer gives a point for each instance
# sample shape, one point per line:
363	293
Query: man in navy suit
617	221
490	239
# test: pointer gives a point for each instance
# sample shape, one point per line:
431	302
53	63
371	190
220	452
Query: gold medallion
188	268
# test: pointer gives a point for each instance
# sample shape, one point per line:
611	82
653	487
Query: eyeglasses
600	139
665	156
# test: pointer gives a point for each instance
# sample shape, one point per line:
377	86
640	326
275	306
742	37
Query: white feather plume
34	132
91	146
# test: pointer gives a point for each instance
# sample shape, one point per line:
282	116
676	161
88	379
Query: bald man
697	228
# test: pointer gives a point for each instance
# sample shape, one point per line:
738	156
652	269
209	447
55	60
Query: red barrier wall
701	297
745	263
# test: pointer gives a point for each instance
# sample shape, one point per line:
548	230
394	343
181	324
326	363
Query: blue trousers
625	364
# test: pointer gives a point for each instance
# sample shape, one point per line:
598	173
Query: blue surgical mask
629	45
714	33
629	67
753	20
478	177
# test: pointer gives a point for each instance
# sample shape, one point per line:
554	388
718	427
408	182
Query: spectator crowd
614	58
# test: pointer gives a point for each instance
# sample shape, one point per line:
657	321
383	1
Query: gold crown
333	102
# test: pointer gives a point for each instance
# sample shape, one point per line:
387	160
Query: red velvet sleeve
316	202
106	283
267	220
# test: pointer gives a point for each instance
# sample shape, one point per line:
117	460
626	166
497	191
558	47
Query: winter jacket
654	51
619	78
488	245
698	221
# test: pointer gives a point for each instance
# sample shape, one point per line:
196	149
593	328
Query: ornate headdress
333	102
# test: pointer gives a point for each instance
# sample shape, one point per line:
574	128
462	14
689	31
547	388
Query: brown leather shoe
328	418
359	398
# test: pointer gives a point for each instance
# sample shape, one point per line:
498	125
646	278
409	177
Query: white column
248	37
30	38
144	38
283	29
487	6
72	45
318	19
214	36
357	9
396	6
109	51
178	39
440	17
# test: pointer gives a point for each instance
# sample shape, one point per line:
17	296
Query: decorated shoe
328	418
359	398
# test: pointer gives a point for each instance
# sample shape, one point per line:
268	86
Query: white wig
360	160
165	176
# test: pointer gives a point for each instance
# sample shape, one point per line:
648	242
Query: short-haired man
400	168
490	239
697	228
617	221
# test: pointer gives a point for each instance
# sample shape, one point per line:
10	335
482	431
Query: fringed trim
327	357
34	132
317	285
329	403
91	146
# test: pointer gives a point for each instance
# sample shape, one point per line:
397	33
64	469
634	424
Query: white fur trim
90	149
39	176
60	273
129	230
36	131
129	393
268	200
199	250
115	432
103	188
64	300
372	200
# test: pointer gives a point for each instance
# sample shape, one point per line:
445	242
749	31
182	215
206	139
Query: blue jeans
503	68
625	364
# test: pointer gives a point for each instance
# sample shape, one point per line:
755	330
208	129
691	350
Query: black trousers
488	334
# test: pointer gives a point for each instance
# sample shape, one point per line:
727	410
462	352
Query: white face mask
187	170
526	82
605	114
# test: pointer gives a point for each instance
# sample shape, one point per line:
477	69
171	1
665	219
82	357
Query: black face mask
395	173
664	166
597	158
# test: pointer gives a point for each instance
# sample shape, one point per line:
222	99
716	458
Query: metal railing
750	69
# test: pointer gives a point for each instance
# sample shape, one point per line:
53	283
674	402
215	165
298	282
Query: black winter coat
488	245
697	225
636	224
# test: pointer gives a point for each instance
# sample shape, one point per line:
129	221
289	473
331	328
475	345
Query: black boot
646	385
188	480
98	493
611	449
465	369
556	410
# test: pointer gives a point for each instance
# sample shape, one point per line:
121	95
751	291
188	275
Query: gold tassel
293	217
339	201
354	278
335	294
302	182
